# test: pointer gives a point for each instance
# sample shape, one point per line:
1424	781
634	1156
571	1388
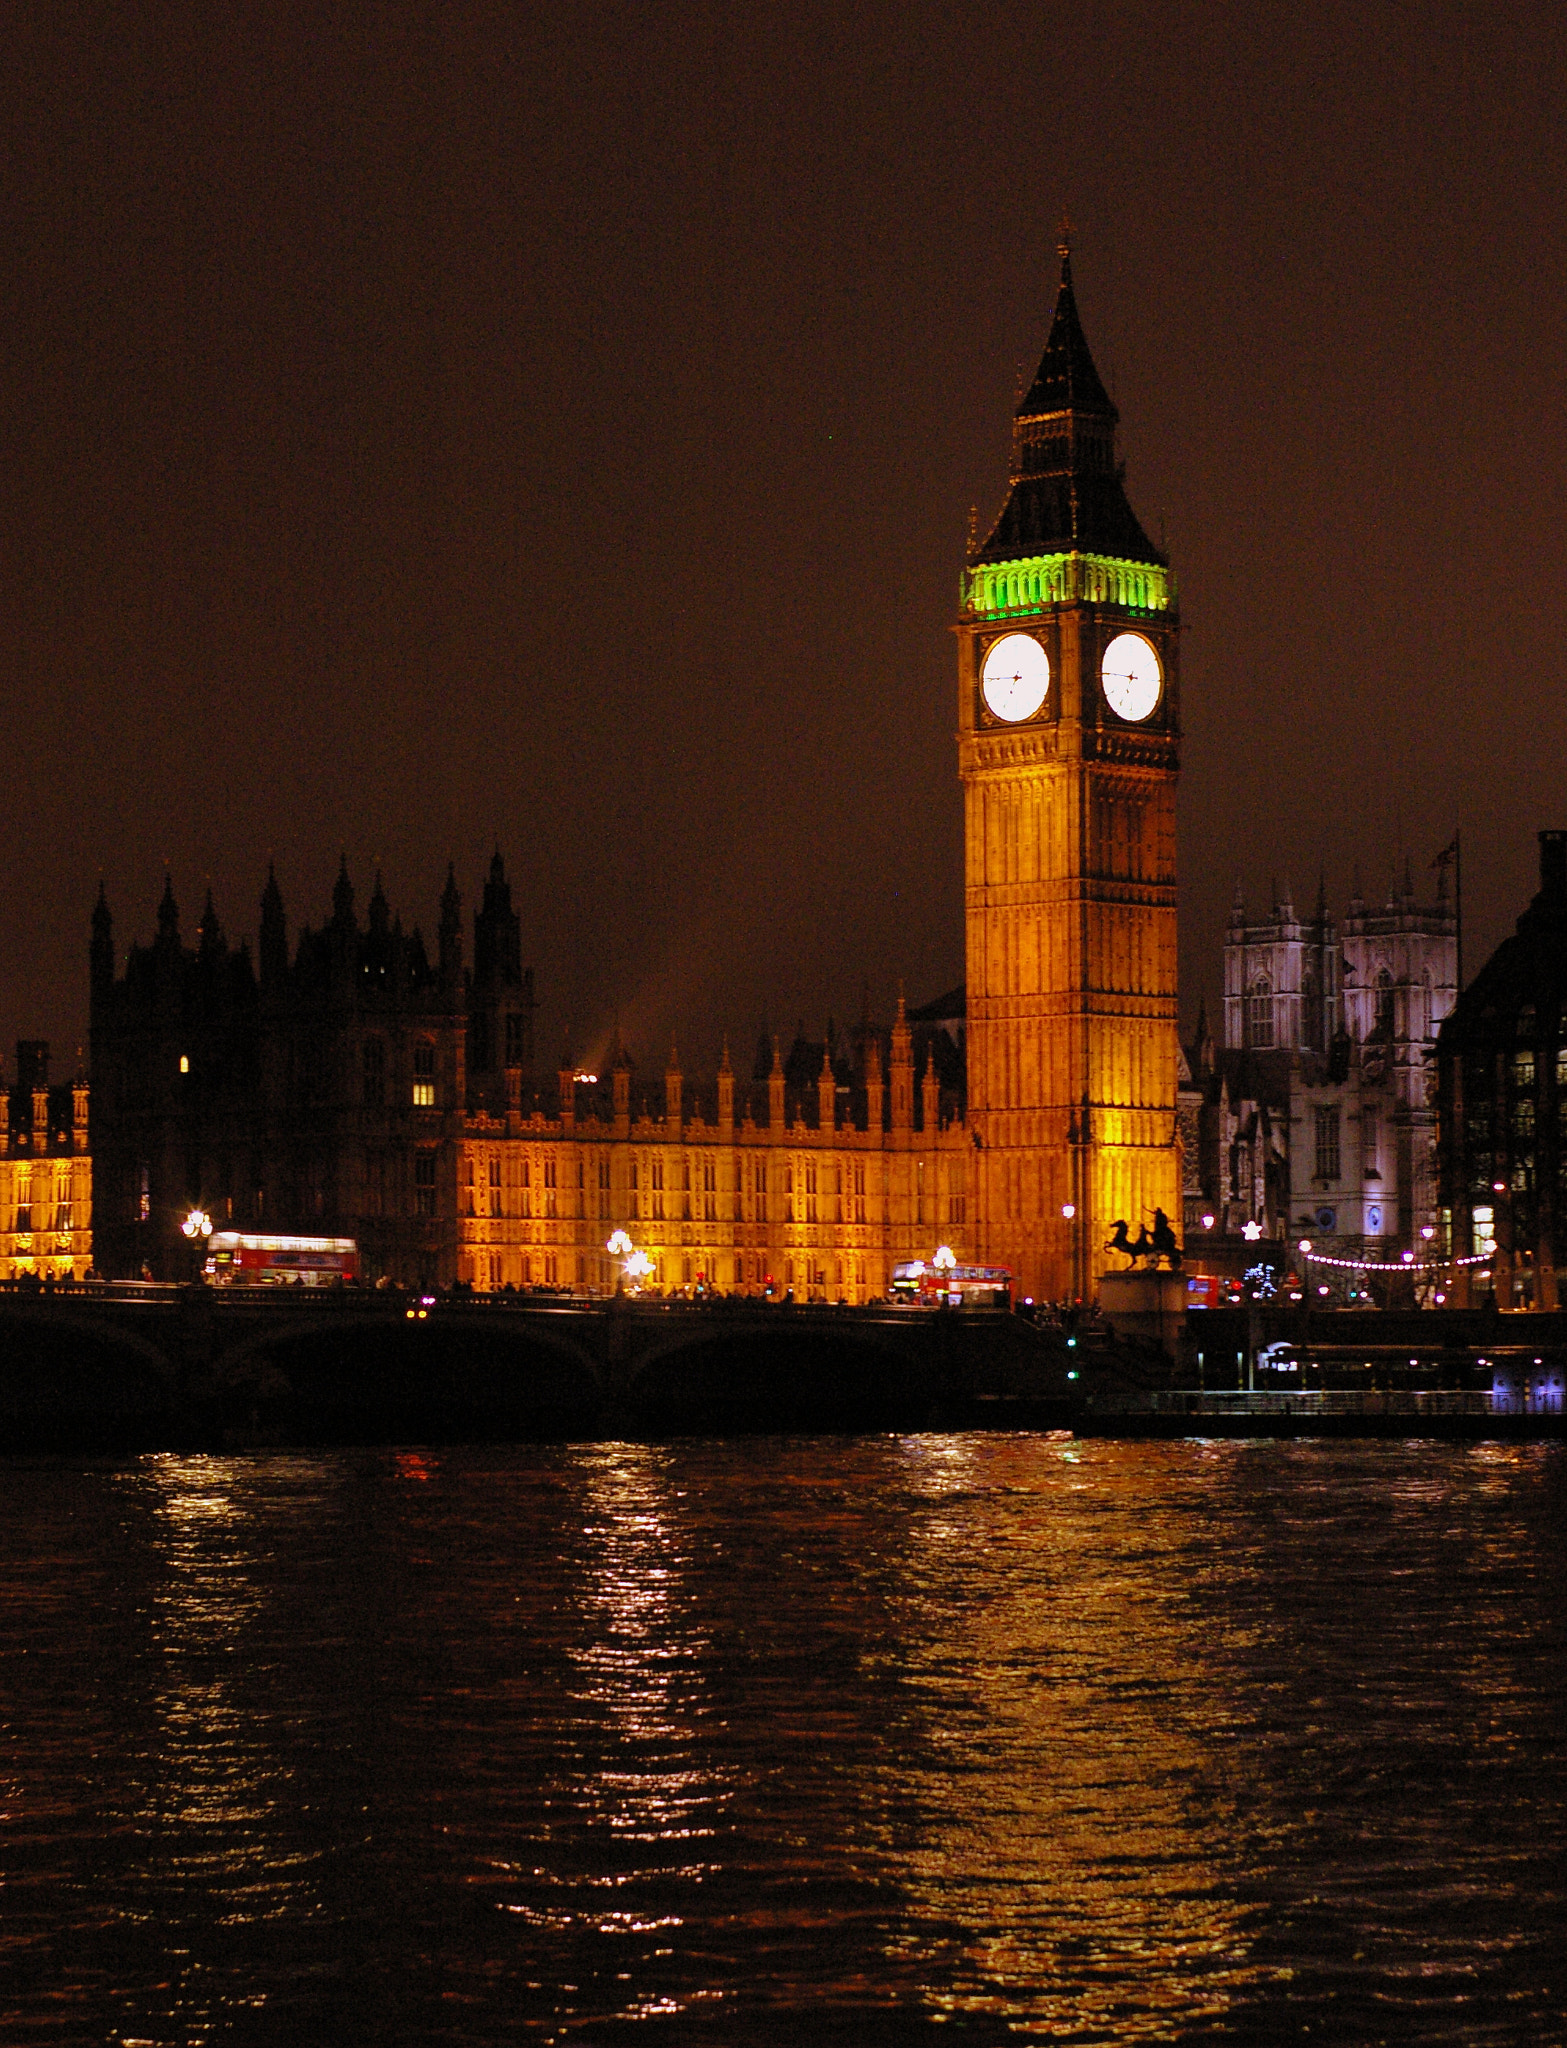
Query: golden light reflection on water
218	1790
1064	1850
1045	1740
638	1655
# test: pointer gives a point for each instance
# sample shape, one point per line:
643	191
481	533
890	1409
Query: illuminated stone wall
822	1208
46	1186
1071	947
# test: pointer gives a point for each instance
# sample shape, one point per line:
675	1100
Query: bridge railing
1351	1401
30	1288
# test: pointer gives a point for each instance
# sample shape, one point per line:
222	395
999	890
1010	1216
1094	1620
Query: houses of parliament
352	1082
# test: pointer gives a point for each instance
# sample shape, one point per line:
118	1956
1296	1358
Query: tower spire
1067	493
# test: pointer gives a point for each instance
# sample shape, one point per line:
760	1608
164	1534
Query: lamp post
197	1227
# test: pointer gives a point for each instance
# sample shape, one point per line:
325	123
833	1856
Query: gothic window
1523	1069
424	1183
1384	987
810	1194
424	1077
1259	1014
709	1187
549	1187
761	1190
1327	1148
1368	1139
859	1191
514	1040
374	1058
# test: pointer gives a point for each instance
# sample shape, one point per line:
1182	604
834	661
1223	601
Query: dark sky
423	428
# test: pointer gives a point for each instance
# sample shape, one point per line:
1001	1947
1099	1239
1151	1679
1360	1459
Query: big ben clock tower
1069	736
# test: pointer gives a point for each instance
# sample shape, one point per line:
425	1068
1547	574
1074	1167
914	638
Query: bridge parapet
372	1365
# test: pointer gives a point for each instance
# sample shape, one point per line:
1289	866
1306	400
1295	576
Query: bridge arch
784	1370
74	1380
383	1377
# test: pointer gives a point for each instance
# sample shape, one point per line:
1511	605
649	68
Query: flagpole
1458	904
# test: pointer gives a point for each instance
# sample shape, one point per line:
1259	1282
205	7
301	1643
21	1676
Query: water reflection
1054	1659
634	1772
217	1817
784	1741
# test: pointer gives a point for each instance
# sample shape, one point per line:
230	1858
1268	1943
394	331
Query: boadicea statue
1161	1245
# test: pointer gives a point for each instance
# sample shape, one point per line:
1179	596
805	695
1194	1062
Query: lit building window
424	1076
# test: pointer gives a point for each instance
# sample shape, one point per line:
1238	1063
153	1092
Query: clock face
1016	678
1130	675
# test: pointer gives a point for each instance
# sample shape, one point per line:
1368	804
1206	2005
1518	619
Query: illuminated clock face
1016	678
1131	678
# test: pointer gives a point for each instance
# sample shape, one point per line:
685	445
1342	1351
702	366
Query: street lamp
198	1229
635	1266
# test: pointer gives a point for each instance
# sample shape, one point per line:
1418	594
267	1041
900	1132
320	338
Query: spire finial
1064	240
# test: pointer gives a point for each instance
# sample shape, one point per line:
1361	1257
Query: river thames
991	1737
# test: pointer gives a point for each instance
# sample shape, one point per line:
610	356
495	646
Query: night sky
428	428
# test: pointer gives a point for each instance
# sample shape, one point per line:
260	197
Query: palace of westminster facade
360	1088
353	1085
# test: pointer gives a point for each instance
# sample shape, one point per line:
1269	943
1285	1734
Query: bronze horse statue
1161	1245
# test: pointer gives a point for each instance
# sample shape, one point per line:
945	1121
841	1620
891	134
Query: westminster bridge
131	1366
124	1366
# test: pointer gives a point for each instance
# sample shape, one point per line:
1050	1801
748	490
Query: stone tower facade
1068	739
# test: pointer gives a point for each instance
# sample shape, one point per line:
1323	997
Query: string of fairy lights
1407	1264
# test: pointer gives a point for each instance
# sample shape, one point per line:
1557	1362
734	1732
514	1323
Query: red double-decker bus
925	1285
237	1259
